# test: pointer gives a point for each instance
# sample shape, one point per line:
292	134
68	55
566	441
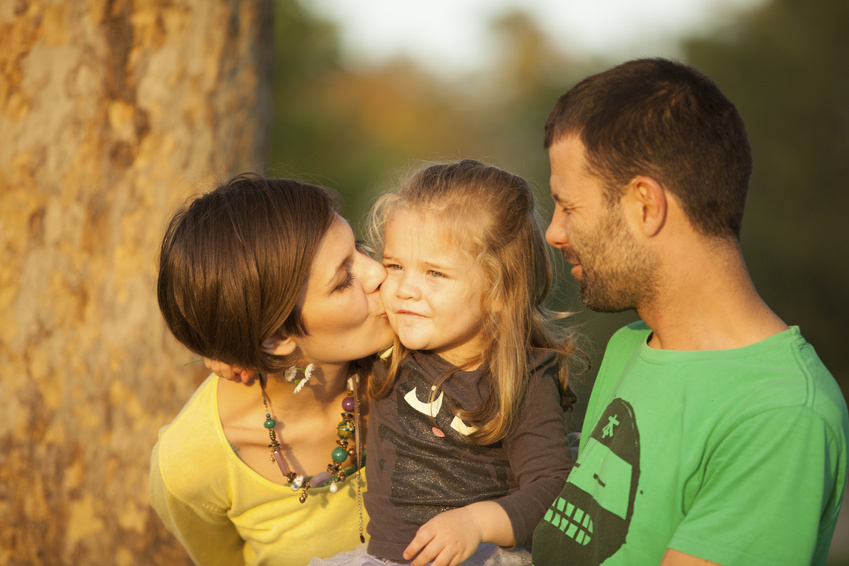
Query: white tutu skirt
486	555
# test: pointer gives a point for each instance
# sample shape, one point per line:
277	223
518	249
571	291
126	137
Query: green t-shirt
734	456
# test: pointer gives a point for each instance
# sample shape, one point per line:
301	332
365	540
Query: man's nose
555	234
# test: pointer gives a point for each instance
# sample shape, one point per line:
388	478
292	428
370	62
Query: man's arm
678	558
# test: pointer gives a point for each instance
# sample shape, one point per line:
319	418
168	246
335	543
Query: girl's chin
412	343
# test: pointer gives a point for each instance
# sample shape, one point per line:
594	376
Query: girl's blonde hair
490	215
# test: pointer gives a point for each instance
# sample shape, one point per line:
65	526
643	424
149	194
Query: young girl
467	442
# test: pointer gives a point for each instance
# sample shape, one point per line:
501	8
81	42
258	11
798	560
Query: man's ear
278	345
649	197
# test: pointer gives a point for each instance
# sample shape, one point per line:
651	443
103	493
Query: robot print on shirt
600	492
422	484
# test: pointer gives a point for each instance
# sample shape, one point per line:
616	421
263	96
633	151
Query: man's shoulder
628	337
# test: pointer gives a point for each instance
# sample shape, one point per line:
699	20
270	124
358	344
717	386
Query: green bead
339	455
270	423
345	430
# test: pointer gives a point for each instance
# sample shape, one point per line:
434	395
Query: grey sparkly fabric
421	464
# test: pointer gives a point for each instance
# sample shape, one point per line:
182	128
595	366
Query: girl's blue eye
437	273
392	267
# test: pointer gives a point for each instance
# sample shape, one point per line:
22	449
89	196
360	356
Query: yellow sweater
223	512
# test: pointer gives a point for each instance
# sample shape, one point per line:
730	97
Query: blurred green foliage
784	64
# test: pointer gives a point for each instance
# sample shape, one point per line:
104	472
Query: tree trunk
112	113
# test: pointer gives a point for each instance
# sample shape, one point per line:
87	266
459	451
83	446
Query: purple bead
319	479
348	404
281	463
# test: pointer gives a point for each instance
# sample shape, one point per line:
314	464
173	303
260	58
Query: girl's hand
228	372
447	540
453	536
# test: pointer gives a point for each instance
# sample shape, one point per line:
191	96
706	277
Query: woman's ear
278	345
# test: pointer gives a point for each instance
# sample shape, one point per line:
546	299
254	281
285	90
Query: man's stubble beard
619	273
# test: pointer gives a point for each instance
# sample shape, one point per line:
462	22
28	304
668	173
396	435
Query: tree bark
112	113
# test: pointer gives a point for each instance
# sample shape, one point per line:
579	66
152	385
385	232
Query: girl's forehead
443	220
414	225
412	213
433	243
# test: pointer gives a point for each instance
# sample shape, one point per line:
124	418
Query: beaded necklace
348	427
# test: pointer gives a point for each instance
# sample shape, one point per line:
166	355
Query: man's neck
708	302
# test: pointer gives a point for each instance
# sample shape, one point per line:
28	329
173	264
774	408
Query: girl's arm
453	536
539	456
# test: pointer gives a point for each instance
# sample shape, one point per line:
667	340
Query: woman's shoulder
192	447
197	415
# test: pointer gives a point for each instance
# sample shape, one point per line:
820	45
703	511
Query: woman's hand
453	536
228	372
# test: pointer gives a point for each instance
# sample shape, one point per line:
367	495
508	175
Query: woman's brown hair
233	263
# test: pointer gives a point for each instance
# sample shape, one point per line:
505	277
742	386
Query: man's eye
392	267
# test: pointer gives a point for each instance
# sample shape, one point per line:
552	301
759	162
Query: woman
264	274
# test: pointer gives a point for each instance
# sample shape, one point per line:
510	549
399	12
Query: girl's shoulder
546	377
543	360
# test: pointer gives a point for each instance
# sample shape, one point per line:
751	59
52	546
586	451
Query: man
714	434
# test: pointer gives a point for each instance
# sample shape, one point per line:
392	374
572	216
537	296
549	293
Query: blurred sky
450	37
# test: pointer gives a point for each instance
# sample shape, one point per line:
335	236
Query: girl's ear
278	345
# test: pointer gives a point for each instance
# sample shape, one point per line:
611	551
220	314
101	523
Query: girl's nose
407	288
